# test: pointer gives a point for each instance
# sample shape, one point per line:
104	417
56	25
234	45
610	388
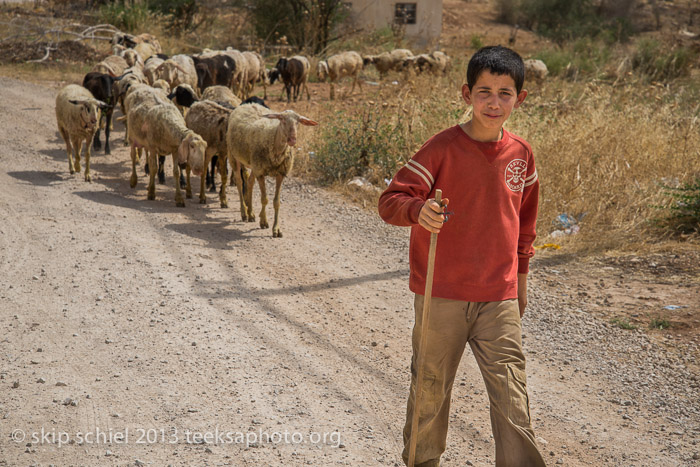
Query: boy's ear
521	97
467	95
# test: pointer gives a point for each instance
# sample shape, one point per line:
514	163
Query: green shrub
127	17
623	323
655	61
684	215
566	20
584	55
363	145
476	41
659	323
180	14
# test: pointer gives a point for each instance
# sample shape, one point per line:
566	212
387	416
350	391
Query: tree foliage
565	20
306	24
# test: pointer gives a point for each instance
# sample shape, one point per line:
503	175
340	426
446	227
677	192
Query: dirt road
133	332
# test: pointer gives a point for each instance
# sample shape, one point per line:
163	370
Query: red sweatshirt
493	192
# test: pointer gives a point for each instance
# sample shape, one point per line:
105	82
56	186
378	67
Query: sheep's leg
276	232
332	91
108	128
179	200
263	202
96	138
224	178
69	149
161	169
152	170
308	95
249	196
203	177
134	161
188	187
239	186
288	89
88	150
211	173
77	148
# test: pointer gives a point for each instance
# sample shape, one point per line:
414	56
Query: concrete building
421	19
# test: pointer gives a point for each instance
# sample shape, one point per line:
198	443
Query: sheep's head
191	151
168	71
322	70
289	120
367	60
89	111
408	63
281	64
130	56
161	84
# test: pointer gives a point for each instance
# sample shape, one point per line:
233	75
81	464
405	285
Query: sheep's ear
102	105
274	116
77	102
307	122
183	152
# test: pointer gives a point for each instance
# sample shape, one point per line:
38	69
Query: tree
307	24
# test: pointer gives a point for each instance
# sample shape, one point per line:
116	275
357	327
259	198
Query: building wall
376	14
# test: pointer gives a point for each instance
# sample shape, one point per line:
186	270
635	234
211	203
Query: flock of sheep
199	109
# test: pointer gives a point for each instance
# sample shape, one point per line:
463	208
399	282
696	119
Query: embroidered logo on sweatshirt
515	174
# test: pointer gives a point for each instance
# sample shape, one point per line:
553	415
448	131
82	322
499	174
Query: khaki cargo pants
494	334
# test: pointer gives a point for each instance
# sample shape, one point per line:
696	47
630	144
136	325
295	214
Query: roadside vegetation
614	126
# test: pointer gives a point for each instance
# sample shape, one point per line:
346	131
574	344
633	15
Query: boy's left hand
522	293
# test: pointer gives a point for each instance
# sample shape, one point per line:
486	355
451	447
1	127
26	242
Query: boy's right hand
431	215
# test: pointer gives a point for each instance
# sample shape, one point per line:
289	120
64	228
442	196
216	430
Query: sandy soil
133	332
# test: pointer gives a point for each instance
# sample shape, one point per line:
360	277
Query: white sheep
221	94
435	62
167	133
389	61
113	65
178	69
535	69
338	66
139	99
150	68
240	74
132	58
260	140
255	72
146	50
77	117
162	85
210	120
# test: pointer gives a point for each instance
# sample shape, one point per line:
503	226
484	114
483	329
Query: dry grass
603	152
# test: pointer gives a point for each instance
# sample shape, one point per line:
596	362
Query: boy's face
493	98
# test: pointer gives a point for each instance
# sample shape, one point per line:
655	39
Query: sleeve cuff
523	265
414	211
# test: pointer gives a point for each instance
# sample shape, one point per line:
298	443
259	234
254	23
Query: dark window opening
405	13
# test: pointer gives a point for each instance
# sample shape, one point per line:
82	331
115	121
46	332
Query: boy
480	286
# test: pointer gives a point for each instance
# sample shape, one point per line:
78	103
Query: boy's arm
528	219
402	201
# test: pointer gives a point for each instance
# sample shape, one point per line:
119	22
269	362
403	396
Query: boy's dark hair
498	60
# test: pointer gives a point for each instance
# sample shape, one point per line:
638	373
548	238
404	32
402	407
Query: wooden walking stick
422	343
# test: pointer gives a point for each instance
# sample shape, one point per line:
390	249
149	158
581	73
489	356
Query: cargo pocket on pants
518	404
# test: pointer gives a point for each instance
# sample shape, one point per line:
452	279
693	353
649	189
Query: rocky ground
133	332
